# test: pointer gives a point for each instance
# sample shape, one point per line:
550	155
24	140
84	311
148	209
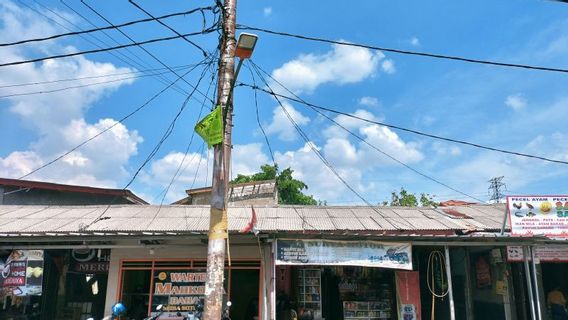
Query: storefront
53	284
174	276
349	280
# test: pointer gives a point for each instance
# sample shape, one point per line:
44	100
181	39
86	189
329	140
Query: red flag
251	226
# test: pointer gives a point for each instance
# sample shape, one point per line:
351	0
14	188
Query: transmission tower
495	186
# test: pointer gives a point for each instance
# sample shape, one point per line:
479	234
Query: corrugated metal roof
184	219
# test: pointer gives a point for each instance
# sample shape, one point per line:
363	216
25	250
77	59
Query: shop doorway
336	293
244	294
554	277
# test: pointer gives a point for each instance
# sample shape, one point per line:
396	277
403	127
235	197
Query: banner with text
22	273
538	215
177	291
549	253
344	253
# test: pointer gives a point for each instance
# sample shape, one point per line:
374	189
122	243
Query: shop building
322	262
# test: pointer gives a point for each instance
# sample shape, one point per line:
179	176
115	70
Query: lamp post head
245	45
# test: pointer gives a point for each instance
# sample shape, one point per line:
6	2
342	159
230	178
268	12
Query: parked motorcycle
199	312
226	311
160	310
118	310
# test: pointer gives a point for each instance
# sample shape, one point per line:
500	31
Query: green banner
210	128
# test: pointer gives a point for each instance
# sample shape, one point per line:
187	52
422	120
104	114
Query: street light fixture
245	45
243	51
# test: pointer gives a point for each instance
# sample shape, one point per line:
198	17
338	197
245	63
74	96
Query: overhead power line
118	54
170	28
406	52
157	70
310	144
129	23
14	63
429	135
121	120
85	85
146	50
372	145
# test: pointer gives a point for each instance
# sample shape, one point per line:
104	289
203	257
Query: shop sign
22	273
549	253
178	291
344	253
538	215
91	260
408	295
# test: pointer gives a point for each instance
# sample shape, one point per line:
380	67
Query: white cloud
58	118
516	101
247	158
388	66
281	124
350	157
196	169
369	101
415	42
267	11
341	65
444	149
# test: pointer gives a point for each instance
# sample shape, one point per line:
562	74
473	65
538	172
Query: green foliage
407	199
289	189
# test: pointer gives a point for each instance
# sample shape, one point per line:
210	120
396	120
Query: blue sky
514	109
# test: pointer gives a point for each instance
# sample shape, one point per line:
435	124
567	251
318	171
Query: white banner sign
344	253
549	253
538	215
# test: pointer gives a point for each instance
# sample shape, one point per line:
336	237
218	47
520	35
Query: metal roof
29	184
143	219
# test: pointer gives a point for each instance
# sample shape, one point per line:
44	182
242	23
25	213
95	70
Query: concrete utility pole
221	167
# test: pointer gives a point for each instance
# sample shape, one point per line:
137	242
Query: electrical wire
406	52
144	49
371	145
76	33
79	86
13	63
421	133
311	145
27	84
258	117
170	28
121	120
152	153
179	171
169	129
118	54
135	58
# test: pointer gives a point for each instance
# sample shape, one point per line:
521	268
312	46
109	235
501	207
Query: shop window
180	284
335	293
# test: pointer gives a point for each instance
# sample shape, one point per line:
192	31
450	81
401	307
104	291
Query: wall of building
53	197
190	251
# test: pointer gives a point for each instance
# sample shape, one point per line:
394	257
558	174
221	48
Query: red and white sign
538	215
550	253
408	295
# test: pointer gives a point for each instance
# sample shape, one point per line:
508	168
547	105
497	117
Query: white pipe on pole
535	280
529	282
450	287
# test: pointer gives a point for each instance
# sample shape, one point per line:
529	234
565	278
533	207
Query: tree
407	199
289	189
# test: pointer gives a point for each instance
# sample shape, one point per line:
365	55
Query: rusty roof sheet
182	219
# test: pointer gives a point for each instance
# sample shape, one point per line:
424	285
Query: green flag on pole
210	128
